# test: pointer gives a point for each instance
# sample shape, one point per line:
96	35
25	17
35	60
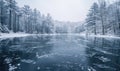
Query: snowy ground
104	36
10	35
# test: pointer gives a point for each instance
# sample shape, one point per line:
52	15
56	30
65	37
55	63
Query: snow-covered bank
11	35
104	36
83	35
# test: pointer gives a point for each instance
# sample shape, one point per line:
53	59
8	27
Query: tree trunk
15	25
103	31
18	24
1	14
10	17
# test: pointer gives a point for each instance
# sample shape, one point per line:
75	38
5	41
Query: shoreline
12	35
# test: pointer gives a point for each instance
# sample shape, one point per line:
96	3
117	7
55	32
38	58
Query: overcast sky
62	10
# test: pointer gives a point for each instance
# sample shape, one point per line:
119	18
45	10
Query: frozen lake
59	53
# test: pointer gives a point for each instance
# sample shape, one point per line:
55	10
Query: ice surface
103	59
12	68
27	61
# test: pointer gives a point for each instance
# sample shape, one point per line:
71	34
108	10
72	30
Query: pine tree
92	18
103	14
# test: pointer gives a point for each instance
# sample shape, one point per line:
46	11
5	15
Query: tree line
23	19
103	18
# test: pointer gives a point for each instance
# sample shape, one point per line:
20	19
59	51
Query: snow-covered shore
84	35
11	35
105	36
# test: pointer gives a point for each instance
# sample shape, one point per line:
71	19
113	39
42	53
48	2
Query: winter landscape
60	35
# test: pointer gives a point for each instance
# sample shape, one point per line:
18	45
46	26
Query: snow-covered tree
92	19
104	18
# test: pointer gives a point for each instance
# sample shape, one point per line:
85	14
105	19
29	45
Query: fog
62	10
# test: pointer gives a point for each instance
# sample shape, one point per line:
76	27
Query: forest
16	19
103	19
34	40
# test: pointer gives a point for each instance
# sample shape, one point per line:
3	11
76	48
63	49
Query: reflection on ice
27	61
59	53
103	59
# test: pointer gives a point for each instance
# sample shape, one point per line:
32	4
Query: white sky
62	10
